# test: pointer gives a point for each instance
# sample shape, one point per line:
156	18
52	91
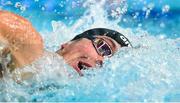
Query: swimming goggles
102	47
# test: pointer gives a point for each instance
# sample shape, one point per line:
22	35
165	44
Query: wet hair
118	37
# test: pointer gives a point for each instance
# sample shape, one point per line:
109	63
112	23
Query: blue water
150	72
41	13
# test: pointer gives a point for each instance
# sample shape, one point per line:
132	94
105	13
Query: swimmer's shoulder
23	40
7	15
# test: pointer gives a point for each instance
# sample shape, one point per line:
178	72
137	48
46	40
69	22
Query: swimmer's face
82	54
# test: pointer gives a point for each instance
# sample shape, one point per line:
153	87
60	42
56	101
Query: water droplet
162	25
165	8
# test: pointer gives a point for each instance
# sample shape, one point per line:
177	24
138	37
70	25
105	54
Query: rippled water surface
148	72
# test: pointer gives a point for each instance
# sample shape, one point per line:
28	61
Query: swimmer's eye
102	47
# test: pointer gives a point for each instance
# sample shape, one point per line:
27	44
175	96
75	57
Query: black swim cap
118	37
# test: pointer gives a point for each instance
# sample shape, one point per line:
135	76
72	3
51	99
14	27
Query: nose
64	45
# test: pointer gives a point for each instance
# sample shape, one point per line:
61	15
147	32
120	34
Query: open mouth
83	66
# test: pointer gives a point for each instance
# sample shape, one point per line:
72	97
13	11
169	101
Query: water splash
148	72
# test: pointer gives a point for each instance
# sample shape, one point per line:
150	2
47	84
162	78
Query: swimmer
84	51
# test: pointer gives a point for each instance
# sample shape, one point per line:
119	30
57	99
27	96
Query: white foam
147	72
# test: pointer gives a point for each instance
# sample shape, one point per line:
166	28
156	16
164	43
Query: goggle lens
102	47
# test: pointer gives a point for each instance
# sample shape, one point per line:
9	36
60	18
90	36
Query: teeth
82	66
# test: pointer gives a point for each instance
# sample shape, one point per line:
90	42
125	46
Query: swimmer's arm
22	39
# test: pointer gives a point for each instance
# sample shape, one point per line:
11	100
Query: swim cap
118	37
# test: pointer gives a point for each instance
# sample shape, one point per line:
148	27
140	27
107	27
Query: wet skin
26	45
82	52
20	37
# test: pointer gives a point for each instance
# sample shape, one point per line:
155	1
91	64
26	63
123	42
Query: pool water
149	72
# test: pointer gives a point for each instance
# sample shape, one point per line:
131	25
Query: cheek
75	49
85	48
90	50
